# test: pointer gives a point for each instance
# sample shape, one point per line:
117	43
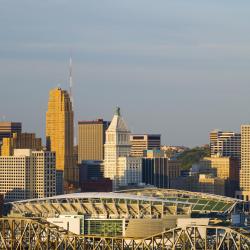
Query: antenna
70	80
71	93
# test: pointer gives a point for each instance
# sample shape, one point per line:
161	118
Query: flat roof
97	121
146	135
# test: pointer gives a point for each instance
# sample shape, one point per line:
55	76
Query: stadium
148	218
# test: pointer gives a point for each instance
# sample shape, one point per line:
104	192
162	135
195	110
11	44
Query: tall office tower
7	129
19	141
225	143
59	132
244	192
140	143
91	140
27	174
122	169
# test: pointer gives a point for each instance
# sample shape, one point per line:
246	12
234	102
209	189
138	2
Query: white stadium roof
103	195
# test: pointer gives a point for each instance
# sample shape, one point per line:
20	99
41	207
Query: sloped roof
117	123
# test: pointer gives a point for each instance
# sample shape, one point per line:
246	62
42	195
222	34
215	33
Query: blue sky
179	68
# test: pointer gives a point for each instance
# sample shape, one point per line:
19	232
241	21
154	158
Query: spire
70	80
118	111
117	123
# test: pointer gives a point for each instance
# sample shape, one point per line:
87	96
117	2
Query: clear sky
176	67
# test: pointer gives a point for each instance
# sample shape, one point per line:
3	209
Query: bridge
35	233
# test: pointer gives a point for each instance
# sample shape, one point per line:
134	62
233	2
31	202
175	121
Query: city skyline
172	68
124	124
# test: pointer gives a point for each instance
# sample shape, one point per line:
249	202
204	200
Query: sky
175	67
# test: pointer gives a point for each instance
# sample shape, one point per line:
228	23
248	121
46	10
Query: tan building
226	168
27	174
174	167
140	143
244	192
211	185
204	183
7	129
19	141
91	140
59	132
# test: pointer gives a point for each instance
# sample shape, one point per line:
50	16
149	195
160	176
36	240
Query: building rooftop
117	123
98	121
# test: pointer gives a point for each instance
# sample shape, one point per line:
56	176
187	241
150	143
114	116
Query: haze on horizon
179	68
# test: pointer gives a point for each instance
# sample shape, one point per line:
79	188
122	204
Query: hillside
191	156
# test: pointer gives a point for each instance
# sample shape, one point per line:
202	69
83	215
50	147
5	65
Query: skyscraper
59	132
91	139
225	150
244	192
122	169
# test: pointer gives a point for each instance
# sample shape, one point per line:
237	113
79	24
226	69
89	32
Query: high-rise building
27	174
91	140
122	169
59	132
91	170
91	177
7	129
158	171
225	168
244	192
140	143
59	182
224	143
20	141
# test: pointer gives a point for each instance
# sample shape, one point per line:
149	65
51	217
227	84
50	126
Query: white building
119	166
73	223
27	174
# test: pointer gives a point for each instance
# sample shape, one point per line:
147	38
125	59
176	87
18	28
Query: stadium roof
102	195
136	203
102	205
202	202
